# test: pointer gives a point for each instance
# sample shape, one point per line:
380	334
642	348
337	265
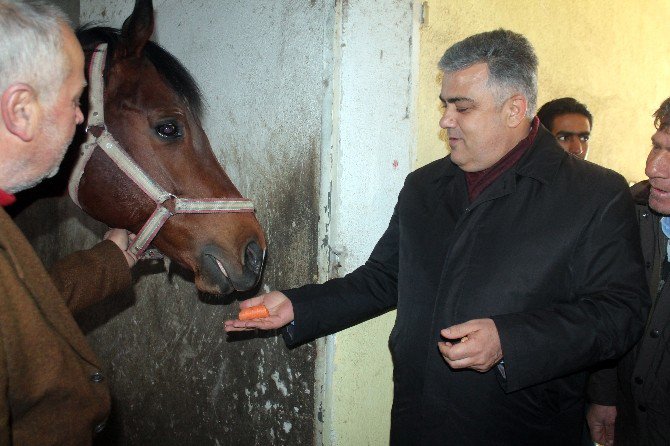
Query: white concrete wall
373	150
70	7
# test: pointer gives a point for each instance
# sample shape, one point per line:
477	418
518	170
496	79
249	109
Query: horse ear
136	30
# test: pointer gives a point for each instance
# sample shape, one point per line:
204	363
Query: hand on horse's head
122	239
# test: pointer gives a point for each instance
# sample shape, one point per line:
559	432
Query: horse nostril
253	257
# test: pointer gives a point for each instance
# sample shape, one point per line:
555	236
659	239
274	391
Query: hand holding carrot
279	308
479	347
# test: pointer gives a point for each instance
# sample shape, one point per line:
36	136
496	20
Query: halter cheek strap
167	204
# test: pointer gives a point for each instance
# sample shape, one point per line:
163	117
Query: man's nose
658	165
575	146
447	120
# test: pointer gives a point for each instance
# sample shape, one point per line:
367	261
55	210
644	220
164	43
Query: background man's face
572	131
658	171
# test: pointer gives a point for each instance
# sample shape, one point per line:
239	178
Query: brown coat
52	391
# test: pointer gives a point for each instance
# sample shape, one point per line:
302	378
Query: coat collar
640	192
541	161
6	244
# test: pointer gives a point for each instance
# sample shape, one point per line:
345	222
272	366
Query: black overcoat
640	385
550	251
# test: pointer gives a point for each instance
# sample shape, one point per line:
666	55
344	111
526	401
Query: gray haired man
52	390
510	276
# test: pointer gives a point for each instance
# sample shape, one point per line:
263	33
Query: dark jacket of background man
641	388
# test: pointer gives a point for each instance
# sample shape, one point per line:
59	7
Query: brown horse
152	107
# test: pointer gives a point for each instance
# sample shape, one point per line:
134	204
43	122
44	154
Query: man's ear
20	109
516	110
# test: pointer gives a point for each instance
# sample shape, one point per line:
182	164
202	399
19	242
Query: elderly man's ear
21	110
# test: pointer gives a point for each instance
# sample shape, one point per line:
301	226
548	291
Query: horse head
152	107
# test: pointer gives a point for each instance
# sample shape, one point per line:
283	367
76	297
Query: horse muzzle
221	273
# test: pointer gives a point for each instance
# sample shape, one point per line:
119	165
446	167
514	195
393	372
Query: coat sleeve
602	387
604	316
368	291
89	276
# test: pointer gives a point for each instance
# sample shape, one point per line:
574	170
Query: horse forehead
139	81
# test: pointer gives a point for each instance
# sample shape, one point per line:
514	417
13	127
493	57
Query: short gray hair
31	47
510	58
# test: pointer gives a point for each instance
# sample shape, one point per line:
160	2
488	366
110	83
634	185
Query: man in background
570	122
630	404
52	390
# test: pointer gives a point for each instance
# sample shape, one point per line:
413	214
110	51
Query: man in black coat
513	267
630	404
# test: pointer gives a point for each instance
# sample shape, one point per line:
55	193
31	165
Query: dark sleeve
368	291
603	319
86	277
602	387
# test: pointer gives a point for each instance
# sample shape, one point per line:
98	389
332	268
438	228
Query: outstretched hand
279	306
479	347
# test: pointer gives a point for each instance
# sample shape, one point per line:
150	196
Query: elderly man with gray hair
513	267
52	389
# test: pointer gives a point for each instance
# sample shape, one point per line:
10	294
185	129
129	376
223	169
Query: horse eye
168	130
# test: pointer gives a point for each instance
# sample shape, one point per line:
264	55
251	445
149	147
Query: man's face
59	117
474	122
572	131
658	171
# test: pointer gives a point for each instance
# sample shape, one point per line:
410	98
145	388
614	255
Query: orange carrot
255	312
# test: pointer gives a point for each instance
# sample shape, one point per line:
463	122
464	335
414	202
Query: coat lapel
32	273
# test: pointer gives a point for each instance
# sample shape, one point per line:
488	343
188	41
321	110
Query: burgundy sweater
478	181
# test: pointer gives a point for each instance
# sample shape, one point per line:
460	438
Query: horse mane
175	74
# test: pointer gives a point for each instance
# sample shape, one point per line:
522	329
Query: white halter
98	136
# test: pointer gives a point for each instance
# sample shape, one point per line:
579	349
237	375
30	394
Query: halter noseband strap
167	204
